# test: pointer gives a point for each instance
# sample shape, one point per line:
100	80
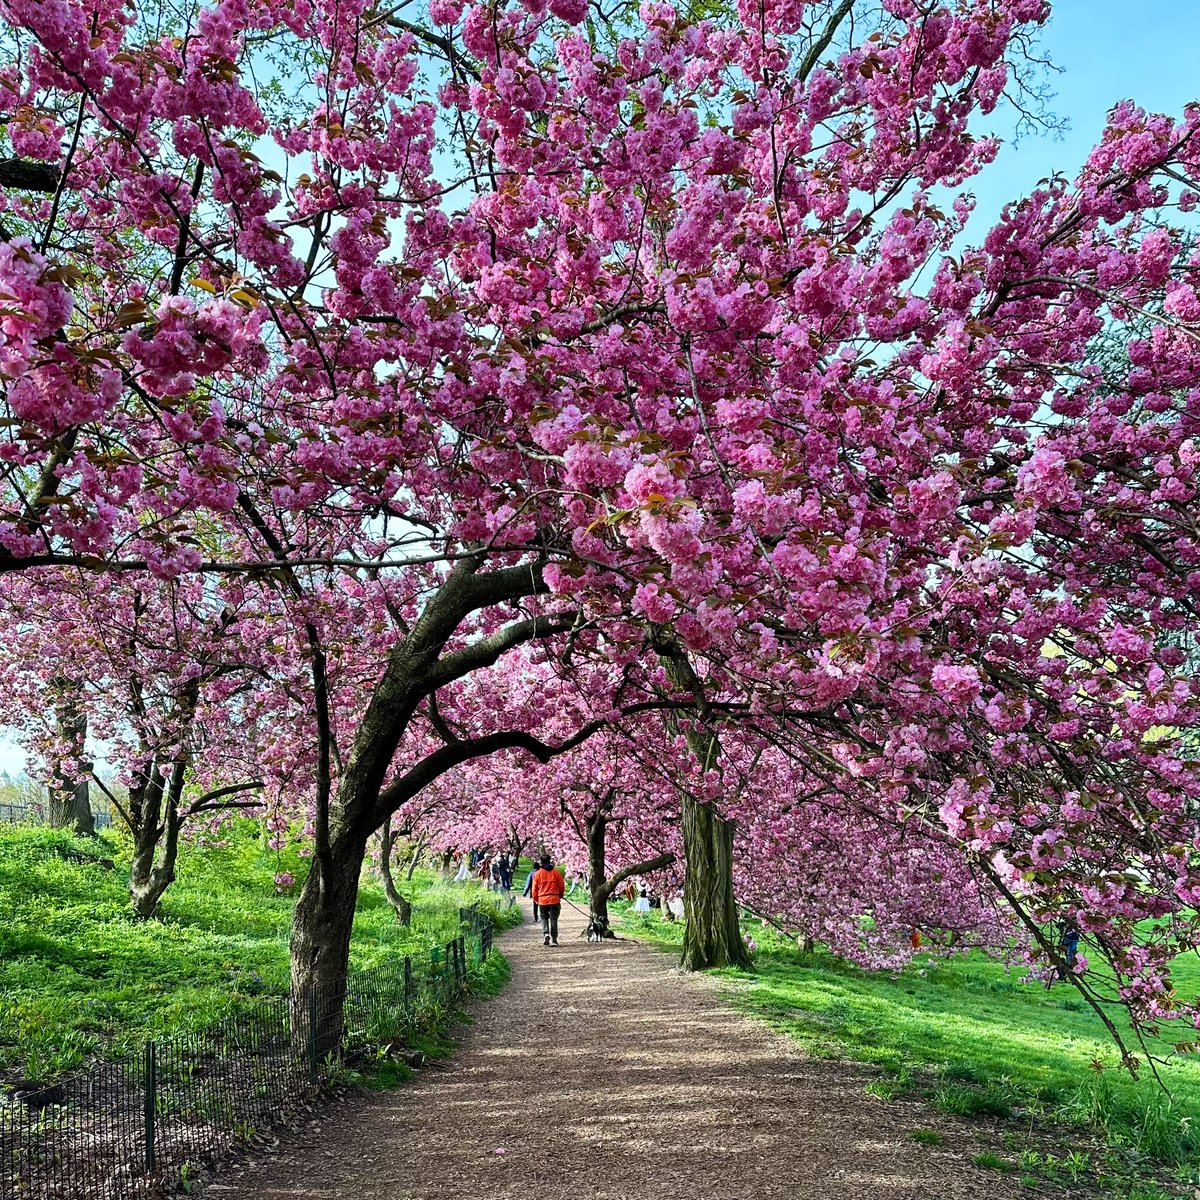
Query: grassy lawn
970	1037
79	976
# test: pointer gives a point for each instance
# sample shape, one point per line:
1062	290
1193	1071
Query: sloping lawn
80	976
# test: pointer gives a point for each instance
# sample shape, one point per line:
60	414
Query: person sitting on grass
549	887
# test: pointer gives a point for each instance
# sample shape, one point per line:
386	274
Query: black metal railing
136	1127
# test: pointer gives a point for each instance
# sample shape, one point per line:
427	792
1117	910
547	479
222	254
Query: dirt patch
604	1073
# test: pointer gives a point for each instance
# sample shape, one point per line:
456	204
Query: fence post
312	1034
150	1085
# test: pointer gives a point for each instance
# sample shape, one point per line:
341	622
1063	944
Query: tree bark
70	801
712	936
26	175
160	821
320	945
402	906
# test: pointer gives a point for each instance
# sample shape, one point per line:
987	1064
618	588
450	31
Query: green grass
80	977
969	1036
992	1162
927	1137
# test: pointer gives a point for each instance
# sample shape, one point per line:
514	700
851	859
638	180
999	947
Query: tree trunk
418	846
402	906
320	945
70	801
71	806
712	936
515	846
159	821
598	889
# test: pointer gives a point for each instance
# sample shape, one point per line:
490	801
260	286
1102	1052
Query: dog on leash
597	929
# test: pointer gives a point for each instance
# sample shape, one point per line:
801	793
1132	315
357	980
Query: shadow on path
603	1073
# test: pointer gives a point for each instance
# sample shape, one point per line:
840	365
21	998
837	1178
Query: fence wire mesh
133	1128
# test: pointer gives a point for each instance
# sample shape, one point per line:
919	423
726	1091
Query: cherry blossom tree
593	346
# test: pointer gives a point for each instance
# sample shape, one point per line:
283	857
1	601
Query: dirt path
605	1074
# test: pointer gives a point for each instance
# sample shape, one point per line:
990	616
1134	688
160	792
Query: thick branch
821	44
488	650
615	880
23	175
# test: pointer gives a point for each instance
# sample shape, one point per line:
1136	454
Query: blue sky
1109	50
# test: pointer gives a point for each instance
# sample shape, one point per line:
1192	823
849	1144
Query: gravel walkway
603	1073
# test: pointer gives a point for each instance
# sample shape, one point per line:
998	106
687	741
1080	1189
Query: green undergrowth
435	1038
970	1038
80	977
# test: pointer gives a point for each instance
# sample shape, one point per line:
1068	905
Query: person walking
528	891
549	886
505	873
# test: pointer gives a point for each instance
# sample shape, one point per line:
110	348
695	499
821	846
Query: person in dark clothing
549	887
505	873
529	892
1068	948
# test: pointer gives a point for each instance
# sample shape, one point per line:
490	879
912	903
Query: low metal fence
137	1128
37	814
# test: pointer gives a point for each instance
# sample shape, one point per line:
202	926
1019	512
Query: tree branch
205	802
615	880
23	175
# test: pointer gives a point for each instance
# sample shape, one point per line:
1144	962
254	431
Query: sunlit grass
79	976
969	1035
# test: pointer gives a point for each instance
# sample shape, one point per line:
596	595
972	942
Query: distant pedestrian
1068	948
505	873
548	889
529	892
464	870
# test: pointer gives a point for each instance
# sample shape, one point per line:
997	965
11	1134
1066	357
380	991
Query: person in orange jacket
549	887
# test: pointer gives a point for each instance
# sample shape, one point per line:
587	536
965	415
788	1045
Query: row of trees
406	406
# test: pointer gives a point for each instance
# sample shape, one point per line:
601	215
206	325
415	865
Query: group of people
494	871
644	898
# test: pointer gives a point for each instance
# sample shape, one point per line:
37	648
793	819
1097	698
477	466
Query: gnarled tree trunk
157	822
320	945
712	936
402	906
